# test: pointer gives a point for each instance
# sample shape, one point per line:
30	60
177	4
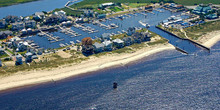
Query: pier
50	37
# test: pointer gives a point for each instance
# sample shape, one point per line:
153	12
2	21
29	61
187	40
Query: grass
12	2
70	12
115	9
4	55
123	50
136	5
43	64
10	51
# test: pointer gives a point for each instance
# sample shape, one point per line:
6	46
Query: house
0	63
79	20
51	19
2	24
61	15
2	51
211	16
30	24
18	60
105	36
138	37
118	43
40	14
18	26
24	31
21	46
5	34
12	19
28	57
146	36
130	31
88	13
98	47
128	41
148	7
107	45
101	16
202	9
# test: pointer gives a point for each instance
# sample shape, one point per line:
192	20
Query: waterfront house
51	19
21	46
101	16
79	20
18	60
41	14
107	45
148	7
30	24
28	57
138	37
12	19
130	31
24	31
2	24
0	63
2	51
105	36
61	15
128	41
5	34
202	9
88	13
18	26
211	16
118	43
98	47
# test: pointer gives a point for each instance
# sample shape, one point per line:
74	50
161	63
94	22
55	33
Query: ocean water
166	80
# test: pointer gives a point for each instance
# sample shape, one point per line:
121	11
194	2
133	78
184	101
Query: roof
6	32
39	13
106	35
106	42
98	45
28	54
18	56
118	41
107	4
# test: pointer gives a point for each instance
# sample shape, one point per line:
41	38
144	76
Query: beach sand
93	64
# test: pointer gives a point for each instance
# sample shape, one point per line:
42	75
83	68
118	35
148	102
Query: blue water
133	21
30	8
166	80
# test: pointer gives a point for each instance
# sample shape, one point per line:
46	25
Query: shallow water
166	80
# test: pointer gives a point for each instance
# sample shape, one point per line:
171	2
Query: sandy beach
93	64
210	39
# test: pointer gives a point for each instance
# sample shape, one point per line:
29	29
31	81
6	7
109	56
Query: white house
107	45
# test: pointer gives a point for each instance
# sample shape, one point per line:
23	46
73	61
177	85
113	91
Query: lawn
115	9
70	12
135	5
12	2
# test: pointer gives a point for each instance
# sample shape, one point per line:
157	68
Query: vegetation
4	55
69	12
115	9
12	2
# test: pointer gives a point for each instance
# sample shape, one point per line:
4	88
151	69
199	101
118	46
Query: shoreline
23	79
18	3
26	79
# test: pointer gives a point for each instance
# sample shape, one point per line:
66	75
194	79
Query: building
118	43
2	51
88	13
30	24
148	7
5	34
18	60
130	31
98	47
41	14
28	57
2	24
202	9
211	16
105	36
0	63
104	5
138	37
128	41
107	45
101	16
12	19
18	26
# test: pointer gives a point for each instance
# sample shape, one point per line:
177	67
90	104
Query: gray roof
98	45
18	56
118	41
6	32
106	35
107	42
28	54
39	13
131	28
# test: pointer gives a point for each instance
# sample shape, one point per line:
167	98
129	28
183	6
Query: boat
115	85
